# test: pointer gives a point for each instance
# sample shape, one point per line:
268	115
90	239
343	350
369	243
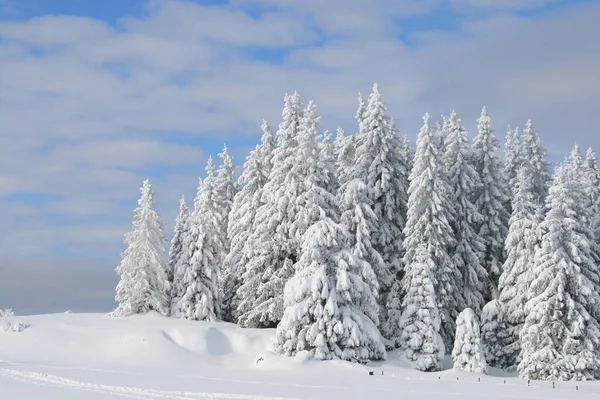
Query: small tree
491	325
143	280
468	353
176	251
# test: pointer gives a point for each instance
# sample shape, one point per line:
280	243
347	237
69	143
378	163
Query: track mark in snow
125	391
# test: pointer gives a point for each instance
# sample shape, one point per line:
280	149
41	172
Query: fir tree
468	352
592	188
490	199
429	267
177	251
271	250
241	219
491	325
330	310
513	157
469	251
535	156
521	245
143	279
379	165
200	299
344	150
561	334
328	159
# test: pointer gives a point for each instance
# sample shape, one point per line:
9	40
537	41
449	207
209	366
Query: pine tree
241	219
421	320
330	310
408	155
561	335
469	251
513	157
200	299
143	279
328	158
271	250
379	165
429	267
468	352
176	251
535	156
491	201
224	194
591	173
344	150
521	244
491	325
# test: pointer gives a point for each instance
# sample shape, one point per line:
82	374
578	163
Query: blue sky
95	96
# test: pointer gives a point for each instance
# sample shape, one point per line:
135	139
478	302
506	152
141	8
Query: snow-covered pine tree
521	244
361	111
467	354
143	279
329	309
421	320
408	155
224	194
490	199
200	299
431	277
328	159
491	325
535	155
469	250
271	252
241	219
561	335
378	163
176	251
513	157
344	150
592	187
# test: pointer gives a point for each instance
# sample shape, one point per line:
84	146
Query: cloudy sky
95	96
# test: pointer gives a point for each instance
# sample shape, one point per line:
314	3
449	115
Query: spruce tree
177	251
379	165
490	199
513	157
429	267
200	299
561	334
535	155
241	219
467	354
469	250
328	159
143	279
330	310
344	150
491	325
271	250
591	173
521	245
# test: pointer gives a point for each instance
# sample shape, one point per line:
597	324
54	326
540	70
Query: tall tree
330	309
561	335
143	279
344	150
429	267
241	219
592	187
177	251
513	157
379	165
521	245
469	252
536	156
200	300
490	199
271	250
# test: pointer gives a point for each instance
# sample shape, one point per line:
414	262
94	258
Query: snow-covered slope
89	356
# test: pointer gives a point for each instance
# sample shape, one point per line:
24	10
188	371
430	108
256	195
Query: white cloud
86	114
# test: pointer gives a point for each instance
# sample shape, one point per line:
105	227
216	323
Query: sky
96	96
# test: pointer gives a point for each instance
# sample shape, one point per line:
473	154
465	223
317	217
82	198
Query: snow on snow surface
90	356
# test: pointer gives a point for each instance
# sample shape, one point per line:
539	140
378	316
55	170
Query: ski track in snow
125	391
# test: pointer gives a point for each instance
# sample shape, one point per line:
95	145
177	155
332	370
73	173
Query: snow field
89	356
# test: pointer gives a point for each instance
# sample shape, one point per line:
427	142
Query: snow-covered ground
90	356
